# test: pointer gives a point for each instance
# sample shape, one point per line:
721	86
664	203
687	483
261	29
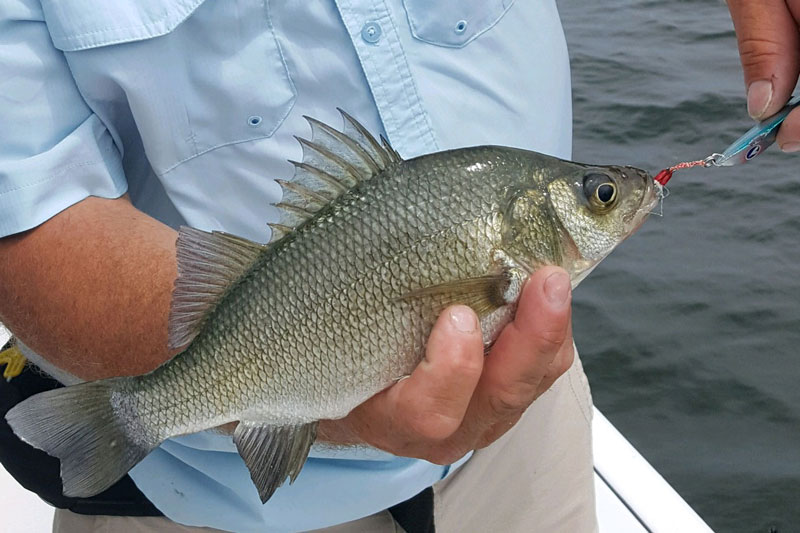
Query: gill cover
600	206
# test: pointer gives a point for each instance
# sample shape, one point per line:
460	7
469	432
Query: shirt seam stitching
397	59
212	148
410	85
395	46
146	25
278	123
384	113
573	374
53	175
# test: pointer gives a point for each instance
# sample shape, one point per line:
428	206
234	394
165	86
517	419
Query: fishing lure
744	149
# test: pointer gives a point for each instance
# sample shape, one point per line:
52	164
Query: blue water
690	330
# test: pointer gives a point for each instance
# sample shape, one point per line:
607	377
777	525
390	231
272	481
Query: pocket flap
453	23
81	24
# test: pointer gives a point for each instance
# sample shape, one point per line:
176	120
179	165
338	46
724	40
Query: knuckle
757	51
469	366
548	341
567	359
433	425
464	362
444	454
389	443
508	403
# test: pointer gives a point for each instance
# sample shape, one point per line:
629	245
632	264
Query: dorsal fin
315	179
278	231
299	195
389	150
343	146
318	156
293	215
357	132
333	162
208	265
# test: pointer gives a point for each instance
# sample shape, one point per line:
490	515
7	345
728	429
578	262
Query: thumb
769	47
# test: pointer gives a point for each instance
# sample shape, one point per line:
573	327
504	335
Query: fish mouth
652	193
650	198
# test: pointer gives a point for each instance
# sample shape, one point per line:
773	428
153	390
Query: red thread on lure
664	176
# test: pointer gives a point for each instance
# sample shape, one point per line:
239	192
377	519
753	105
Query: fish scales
339	307
305	301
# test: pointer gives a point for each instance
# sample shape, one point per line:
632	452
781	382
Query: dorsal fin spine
304	191
299	211
278	231
388	147
348	169
333	163
321	175
362	154
385	159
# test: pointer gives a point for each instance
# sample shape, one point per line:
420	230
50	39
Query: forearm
90	288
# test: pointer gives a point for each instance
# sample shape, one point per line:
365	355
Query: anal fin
273	453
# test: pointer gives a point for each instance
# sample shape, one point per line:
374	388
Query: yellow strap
14	361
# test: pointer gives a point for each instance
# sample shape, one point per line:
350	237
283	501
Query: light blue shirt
192	105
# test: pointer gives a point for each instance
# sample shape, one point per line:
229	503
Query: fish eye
600	190
605	193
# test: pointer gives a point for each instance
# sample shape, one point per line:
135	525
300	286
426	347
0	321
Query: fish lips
650	198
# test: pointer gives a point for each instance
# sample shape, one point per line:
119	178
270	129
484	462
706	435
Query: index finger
769	47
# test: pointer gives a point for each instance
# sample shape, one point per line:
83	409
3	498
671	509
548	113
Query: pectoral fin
273	453
483	294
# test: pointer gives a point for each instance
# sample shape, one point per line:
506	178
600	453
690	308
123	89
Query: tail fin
78	426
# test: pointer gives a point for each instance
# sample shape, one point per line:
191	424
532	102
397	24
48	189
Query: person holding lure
768	45
768	33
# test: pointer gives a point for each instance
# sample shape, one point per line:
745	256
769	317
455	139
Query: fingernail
556	288
759	96
791	147
463	319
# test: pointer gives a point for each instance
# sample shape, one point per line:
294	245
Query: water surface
689	331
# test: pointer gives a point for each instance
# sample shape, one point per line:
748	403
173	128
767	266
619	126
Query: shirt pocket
187	76
453	23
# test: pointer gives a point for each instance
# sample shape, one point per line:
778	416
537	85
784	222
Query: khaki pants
537	477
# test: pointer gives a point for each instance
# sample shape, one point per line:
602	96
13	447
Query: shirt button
371	32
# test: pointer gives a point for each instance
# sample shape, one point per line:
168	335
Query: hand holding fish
456	400
769	46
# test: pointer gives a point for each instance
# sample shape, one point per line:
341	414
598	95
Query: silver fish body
340	306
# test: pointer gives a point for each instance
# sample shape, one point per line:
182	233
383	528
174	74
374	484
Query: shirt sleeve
54	151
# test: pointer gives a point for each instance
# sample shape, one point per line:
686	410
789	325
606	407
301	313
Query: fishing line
663	192
742	150
664	176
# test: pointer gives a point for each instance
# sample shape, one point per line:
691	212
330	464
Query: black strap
416	514
39	473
